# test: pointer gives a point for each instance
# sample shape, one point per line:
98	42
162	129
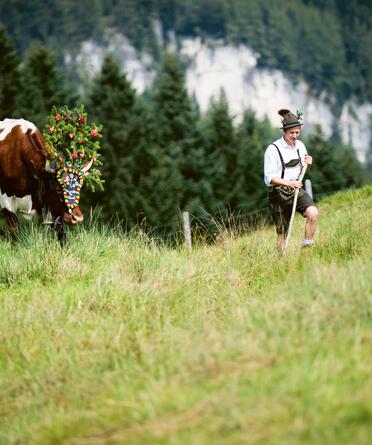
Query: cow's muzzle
77	219
74	218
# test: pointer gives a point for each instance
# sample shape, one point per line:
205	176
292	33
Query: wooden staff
303	171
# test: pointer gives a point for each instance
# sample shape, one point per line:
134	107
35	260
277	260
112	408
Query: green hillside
121	340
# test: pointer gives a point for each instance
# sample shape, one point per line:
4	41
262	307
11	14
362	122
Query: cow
27	186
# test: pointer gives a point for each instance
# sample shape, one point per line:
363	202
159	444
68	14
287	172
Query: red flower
81	119
58	117
71	135
80	142
68	117
74	155
94	133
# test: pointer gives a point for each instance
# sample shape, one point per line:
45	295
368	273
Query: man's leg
311	214
280	239
280	212
281	228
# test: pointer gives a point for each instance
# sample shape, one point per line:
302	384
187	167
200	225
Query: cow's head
63	191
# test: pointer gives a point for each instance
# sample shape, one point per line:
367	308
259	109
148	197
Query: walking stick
303	171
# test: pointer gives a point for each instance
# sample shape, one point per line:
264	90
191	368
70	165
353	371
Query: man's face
291	135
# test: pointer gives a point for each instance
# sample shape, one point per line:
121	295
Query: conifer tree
326	173
160	190
42	85
178	133
111	103
147	187
141	181
221	152
351	167
172	104
9	77
249	190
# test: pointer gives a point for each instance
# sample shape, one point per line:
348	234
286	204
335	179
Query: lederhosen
281	198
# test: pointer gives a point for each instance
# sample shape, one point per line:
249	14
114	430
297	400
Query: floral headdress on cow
73	151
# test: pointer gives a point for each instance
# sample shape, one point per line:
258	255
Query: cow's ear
87	166
35	169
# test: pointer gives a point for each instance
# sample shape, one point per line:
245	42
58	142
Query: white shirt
273	165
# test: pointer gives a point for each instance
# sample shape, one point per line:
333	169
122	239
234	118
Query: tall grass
119	339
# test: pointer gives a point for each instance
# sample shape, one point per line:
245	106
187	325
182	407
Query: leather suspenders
282	160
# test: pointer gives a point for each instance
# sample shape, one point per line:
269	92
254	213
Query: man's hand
294	184
308	159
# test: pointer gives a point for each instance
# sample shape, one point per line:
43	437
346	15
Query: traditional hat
289	119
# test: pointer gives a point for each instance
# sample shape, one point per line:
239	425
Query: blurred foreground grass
120	340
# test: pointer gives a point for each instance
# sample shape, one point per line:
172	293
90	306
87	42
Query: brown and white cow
25	185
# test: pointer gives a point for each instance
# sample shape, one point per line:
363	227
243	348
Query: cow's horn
47	167
87	166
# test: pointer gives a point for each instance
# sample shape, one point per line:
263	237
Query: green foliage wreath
72	143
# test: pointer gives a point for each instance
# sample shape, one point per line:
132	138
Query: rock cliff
212	65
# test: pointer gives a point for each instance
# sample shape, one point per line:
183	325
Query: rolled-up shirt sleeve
272	165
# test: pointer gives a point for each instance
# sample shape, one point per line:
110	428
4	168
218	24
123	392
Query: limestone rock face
213	65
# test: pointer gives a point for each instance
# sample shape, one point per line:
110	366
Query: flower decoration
300	116
73	144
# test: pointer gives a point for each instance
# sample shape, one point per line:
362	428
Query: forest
326	42
160	154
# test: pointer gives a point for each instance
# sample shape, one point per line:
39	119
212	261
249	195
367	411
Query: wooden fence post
308	188
187	229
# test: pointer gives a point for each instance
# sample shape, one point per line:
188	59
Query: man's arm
309	161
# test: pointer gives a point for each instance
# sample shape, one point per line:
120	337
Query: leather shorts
281	207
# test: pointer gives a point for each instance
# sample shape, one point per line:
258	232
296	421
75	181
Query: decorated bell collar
71	181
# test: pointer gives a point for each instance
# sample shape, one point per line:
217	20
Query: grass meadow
120	339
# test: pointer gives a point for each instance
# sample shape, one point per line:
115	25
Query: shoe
307	243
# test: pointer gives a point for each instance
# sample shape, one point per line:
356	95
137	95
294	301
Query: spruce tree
351	167
142	180
249	191
147	187
179	135
221	153
9	77
160	190
42	85
172	104
326	173
111	104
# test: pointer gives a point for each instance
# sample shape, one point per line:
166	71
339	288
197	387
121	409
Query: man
284	160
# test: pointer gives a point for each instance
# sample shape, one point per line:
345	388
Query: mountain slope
122	340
